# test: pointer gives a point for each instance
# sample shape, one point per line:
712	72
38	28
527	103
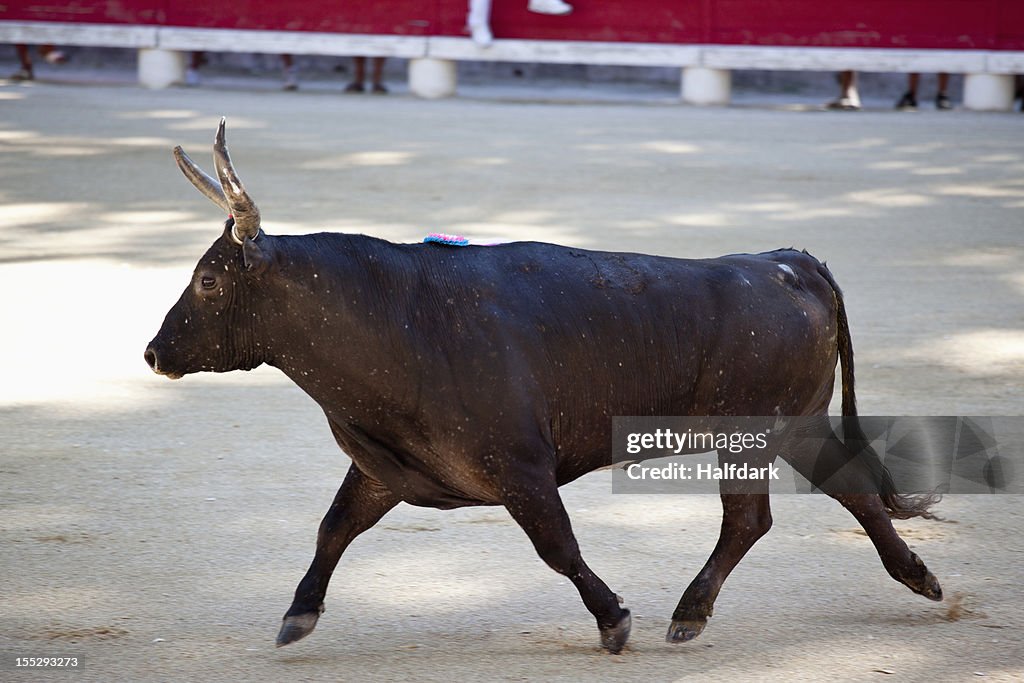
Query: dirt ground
157	529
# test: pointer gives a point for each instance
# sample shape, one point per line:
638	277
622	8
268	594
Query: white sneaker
55	57
481	35
556	7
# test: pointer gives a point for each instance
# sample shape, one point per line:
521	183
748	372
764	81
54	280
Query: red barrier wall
946	24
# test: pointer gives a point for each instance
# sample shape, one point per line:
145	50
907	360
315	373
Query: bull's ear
257	254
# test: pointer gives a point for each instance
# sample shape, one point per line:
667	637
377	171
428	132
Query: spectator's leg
849	86
479	22
378	76
912	82
908	102
24	73
359	64
849	98
196	60
942	101
23	55
291	79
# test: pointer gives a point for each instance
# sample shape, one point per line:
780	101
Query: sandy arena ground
157	529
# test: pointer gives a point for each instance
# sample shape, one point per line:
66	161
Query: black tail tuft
903	506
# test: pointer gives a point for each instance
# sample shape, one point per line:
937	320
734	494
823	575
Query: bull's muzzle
153	360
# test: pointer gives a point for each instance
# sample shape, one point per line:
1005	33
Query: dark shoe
942	102
379	89
353	87
907	103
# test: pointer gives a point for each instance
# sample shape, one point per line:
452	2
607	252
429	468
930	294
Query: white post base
988	92
432	78
160	68
706	86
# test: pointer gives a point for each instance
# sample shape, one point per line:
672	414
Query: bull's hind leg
746	517
533	501
855	480
902	564
359	504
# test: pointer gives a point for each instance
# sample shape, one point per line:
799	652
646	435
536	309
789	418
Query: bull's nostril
150	357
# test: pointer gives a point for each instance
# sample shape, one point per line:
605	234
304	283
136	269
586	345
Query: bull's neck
336	323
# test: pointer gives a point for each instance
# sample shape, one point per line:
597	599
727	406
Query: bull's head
212	326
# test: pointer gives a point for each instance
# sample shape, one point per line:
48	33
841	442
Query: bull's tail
898	505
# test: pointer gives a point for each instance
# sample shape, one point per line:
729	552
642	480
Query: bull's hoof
297	627
684	630
614	638
928	585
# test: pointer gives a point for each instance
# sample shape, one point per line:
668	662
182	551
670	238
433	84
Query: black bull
490	376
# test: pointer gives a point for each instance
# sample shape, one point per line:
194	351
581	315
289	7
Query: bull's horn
203	182
247	216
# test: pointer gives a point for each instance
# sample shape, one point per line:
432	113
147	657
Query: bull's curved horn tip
181	156
219	140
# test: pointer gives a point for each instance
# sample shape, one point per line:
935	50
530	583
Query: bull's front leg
359	504
746	517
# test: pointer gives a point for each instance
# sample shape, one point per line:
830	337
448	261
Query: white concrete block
705	86
161	68
988	92
432	78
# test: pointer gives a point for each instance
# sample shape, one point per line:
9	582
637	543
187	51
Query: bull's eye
207	282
